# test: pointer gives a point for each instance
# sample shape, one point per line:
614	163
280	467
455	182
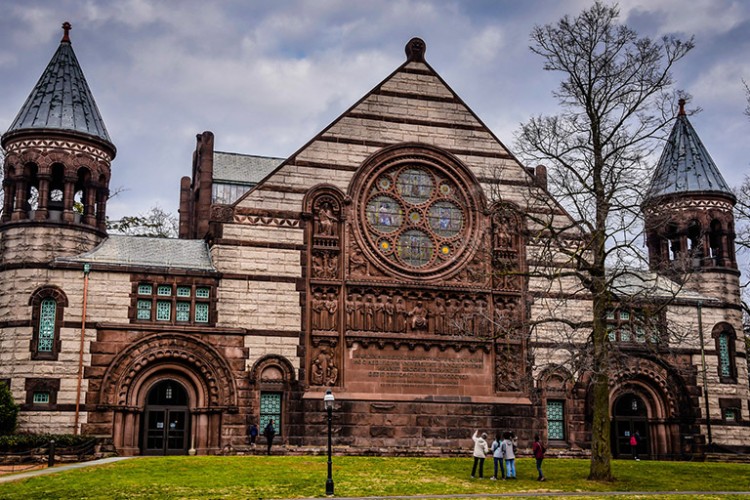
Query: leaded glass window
556	420
47	316
270	408
144	309
725	362
145	289
183	291
201	313
164	290
41	398
183	311
730	415
163	310
202	293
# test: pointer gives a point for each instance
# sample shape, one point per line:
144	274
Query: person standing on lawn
480	452
634	445
509	455
253	432
538	449
497	456
269	432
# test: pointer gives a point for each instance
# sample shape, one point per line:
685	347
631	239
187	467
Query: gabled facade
385	260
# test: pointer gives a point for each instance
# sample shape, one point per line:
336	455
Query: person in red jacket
538	450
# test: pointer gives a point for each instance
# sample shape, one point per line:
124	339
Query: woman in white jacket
480	452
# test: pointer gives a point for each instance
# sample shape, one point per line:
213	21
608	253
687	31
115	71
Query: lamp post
328	399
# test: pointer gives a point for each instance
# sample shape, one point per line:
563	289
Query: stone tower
689	216
57	167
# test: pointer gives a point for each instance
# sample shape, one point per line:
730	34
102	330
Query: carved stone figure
317	374
388	311
358	263
439	313
332	373
503	225
331	306
326	221
369	313
351	311
508	370
418	316
317	311
401	314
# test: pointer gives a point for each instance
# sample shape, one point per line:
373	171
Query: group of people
503	450
269	432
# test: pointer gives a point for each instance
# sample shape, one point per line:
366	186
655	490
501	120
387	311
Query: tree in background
156	223
8	411
615	104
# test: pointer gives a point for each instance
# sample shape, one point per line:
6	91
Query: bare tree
615	104
157	223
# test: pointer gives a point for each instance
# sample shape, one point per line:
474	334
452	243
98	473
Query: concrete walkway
43	472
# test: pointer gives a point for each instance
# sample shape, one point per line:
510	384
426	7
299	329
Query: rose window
417	215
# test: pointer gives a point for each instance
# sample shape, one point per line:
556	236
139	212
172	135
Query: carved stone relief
509	368
324	306
324	369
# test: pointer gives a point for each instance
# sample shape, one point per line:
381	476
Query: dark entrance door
166	420
630	416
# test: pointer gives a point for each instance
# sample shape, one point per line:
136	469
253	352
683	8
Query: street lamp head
329	399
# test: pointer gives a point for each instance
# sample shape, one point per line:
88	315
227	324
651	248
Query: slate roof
633	283
234	168
685	165
167	253
61	99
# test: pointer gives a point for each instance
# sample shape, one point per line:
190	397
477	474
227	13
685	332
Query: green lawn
289	477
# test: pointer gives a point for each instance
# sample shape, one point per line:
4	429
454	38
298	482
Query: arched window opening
715	242
695	243
47	308
725	339
33	199
56	189
675	248
31	187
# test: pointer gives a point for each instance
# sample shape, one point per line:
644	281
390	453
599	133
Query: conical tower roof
685	165
61	99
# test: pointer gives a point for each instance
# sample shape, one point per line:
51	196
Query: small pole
86	270
51	456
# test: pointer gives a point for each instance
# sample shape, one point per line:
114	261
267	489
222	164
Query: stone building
385	260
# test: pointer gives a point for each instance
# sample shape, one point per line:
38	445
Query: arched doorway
166	420
630	416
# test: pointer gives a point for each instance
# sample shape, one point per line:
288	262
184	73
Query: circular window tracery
419	215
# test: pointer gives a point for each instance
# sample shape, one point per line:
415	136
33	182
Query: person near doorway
538	449
509	454
497	456
480	452
269	432
634	439
253	432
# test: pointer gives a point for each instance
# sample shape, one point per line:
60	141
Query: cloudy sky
265	77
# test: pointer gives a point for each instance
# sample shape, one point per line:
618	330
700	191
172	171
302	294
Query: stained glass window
183	291
47	313
144	309
270	408
41	398
182	311
384	214
163	310
446	219
415	185
415	248
725	363
556	419
201	313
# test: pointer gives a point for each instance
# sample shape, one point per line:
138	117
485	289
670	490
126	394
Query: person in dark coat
538	449
253	432
269	432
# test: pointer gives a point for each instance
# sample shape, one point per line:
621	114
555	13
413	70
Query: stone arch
272	363
185	354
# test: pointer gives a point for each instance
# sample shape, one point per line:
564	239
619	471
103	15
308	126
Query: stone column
19	211
42	208
89	217
68	194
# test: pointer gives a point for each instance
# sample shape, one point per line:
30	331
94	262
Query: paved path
42	472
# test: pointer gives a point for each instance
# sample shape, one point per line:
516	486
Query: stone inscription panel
418	371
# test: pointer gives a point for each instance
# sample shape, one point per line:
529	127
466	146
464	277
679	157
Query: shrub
8	411
24	442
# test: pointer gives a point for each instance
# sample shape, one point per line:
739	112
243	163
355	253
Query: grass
295	477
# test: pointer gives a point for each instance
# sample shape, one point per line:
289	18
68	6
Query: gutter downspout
705	378
86	270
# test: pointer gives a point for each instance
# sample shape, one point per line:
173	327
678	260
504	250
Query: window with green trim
163	310
157	301
556	420
270	408
144	309
183	311
145	289
725	360
202	292
47	317
183	291
164	290
40	398
631	327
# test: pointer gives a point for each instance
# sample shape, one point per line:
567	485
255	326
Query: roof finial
415	50
66	32
681	102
